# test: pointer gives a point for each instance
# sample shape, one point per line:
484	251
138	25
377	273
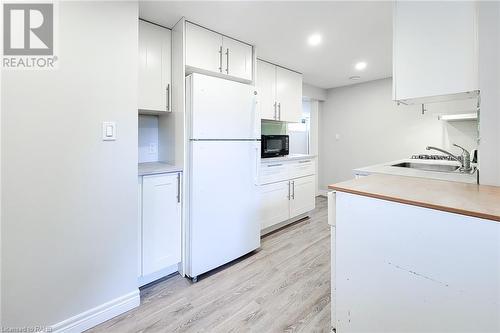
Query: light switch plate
108	131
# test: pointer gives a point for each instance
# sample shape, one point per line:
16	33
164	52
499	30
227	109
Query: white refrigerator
223	127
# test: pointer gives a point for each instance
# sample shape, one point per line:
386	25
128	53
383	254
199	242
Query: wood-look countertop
480	201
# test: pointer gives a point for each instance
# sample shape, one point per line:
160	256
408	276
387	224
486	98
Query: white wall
313	92
371	129
489	83
148	138
69	224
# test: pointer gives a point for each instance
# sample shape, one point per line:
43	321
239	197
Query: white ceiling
352	31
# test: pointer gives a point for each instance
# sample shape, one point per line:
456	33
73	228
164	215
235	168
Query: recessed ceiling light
360	65
356	77
314	39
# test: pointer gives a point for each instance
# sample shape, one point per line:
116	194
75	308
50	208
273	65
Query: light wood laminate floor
282	287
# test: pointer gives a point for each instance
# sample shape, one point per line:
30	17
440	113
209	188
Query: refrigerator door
221	109
223	215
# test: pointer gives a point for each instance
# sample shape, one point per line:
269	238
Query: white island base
403	268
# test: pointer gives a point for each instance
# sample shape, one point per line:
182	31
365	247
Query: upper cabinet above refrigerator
211	53
155	78
435	51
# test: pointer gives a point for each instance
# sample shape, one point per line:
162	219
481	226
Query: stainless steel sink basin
428	167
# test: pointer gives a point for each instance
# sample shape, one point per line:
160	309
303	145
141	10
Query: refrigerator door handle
257	156
178	188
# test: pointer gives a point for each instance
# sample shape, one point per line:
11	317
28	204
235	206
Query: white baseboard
279	225
99	314
144	280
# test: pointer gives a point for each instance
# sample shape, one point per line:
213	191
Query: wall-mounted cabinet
159	226
155	69
209	52
435	51
280	92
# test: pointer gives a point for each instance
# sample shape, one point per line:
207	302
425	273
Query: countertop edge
417	203
287	158
156	168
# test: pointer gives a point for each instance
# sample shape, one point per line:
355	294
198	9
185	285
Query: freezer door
223	215
221	109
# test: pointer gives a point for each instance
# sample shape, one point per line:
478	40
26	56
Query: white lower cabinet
160	226
286	200
274	204
302	197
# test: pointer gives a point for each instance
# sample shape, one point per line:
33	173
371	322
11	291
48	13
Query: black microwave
274	145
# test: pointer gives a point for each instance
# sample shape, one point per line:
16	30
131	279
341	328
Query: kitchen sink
428	167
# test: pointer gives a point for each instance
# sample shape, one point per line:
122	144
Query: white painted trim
144	280
280	225
90	318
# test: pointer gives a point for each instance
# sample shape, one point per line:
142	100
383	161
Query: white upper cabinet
280	92
266	88
203	48
237	59
435	51
209	52
289	95
154	68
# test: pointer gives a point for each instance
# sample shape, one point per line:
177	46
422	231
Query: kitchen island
415	255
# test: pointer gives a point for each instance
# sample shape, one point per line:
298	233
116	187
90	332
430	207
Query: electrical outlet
153	148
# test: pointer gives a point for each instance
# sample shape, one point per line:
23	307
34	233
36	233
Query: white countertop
291	157
388	169
153	168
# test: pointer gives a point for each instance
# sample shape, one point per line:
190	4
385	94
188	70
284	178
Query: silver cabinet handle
227	61
279	111
307	161
178	188
288	196
293	192
275	111
220	59
168	97
274	165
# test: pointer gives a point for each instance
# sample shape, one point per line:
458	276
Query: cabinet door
237	59
203	48
266	89
139	226
274	203
434	48
302	196
154	67
161	223
289	95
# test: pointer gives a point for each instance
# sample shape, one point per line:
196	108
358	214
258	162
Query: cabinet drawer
302	168
273	172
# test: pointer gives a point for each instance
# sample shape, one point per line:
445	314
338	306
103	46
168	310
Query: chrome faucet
464	160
